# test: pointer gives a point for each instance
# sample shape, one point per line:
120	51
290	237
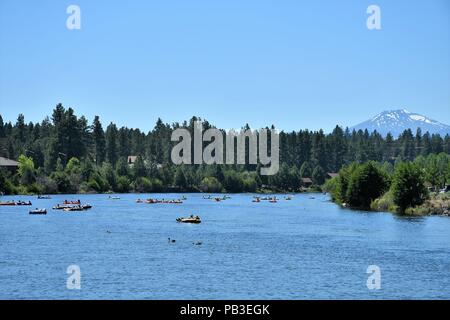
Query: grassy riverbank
437	204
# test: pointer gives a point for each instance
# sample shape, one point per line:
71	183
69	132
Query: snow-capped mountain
397	121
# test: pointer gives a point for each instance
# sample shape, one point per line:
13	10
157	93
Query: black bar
227	309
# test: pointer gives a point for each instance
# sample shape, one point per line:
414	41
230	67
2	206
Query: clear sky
295	64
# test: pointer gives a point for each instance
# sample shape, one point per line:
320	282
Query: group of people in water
273	199
217	199
72	202
152	201
72	206
16	203
190	219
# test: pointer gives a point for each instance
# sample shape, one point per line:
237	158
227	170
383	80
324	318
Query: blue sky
294	64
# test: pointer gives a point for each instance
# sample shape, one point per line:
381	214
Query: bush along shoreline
411	188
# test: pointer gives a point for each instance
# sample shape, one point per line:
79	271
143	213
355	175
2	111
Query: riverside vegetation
64	154
416	187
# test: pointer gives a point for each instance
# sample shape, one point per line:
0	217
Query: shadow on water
412	219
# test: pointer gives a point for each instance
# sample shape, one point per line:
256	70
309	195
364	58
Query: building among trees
8	164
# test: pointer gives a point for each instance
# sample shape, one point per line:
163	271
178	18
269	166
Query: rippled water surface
300	249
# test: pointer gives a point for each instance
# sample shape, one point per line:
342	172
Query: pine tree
306	170
407	145
436	143
426	144
318	175
418	140
139	168
2	128
111	143
338	149
319	152
446	146
99	141
20	130
124	149
389	148
180	178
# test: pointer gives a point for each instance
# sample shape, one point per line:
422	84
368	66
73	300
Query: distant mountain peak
397	121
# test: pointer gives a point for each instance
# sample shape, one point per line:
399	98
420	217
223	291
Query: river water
305	248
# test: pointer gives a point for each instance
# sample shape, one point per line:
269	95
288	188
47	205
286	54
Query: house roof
332	174
131	159
5	162
307	180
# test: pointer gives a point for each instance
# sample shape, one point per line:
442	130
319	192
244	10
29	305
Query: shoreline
264	192
416	212
424	210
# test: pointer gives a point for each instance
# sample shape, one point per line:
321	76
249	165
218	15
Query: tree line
65	153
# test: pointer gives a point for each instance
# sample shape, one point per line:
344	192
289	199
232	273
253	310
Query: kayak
38	211
7	203
191	219
78	208
60	207
153	201
21	203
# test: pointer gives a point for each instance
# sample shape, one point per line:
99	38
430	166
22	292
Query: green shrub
157	185
34	188
417	211
123	184
61	180
211	185
330	187
5	184
315	189
102	184
93	185
384	203
142	185
233	182
250	184
10	188
342	182
367	182
21	189
47	185
408	188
